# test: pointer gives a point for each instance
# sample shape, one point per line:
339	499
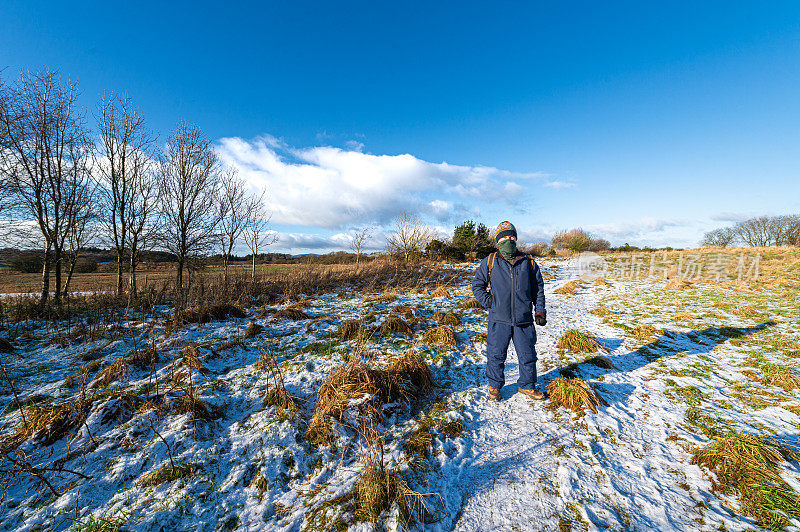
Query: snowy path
529	468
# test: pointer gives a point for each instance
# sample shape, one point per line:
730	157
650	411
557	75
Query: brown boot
494	394
533	393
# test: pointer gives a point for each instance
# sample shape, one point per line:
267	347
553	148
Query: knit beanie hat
503	230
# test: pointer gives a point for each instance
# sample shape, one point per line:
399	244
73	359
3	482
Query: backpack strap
491	264
530	273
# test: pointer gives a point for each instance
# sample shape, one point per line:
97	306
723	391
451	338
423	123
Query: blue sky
643	123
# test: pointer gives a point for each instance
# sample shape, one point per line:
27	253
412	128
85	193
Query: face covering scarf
508	248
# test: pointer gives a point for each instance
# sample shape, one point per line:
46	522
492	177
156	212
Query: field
673	406
12	282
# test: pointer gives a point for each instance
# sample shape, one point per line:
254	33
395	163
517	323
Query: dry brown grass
442	335
207	313
413	371
682	316
447	318
189	403
747	466
601	311
144	357
645	332
780	376
578	342
191	359
573	394
440	291
601	283
394	324
291	313
407	378
678	283
747	311
253	330
386	297
469	304
568	289
348	329
50	423
111	373
167	474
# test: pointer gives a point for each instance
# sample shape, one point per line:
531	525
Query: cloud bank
333	188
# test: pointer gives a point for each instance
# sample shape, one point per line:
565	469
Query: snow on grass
183	430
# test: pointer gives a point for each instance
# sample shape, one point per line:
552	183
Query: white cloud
638	228
556	184
730	216
331	187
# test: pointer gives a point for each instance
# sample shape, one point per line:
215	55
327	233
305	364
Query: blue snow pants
498	336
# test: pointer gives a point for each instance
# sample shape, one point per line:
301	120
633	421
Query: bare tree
722	237
410	236
360	238
43	143
231	211
80	233
141	218
124	152
256	225
189	173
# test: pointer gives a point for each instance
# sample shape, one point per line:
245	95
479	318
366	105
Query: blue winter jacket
515	288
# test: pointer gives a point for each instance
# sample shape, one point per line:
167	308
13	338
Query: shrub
28	262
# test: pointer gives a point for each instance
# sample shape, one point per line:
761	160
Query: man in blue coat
509	283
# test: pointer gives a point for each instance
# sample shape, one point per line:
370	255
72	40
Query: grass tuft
205	314
253	330
111	373
578	342
678	283
746	466
406	378
573	394
569	288
291	313
167	474
440	291
645	332
780	376
442	335
394	324
447	318
469	304
348	329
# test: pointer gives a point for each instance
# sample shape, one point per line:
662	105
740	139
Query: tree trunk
45	277
119	272
253	271
132	276
57	263
179	283
226	259
69	275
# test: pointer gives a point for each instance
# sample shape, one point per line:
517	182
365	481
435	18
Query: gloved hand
541	319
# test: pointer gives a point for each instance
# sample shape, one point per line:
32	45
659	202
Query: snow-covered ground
516	465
